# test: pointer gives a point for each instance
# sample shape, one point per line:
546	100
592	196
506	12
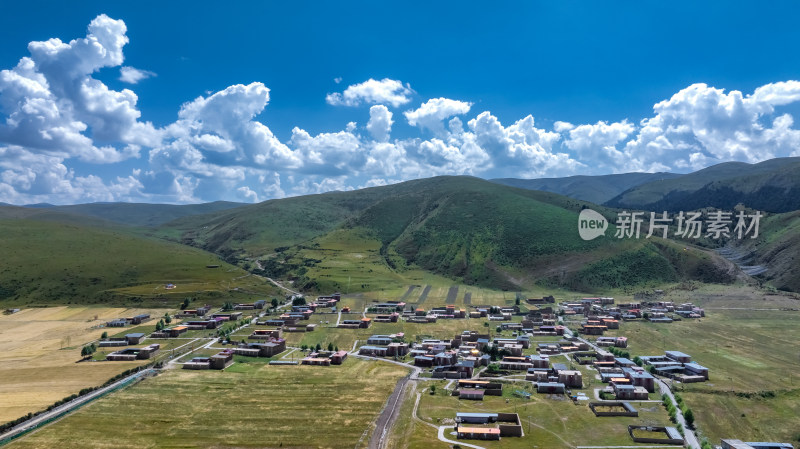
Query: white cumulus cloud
53	105
132	75
431	114
385	91
380	122
702	125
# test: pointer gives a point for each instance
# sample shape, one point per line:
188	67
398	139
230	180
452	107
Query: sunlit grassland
254	405
58	263
39	351
753	358
547	422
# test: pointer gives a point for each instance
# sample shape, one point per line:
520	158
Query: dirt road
388	415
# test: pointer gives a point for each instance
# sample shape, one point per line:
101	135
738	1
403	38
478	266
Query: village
570	351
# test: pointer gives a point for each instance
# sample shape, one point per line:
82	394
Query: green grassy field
252	406
547	422
753	358
56	263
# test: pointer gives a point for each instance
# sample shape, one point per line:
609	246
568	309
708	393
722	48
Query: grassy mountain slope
778	248
139	214
261	228
771	185
464	228
595	189
9	212
51	262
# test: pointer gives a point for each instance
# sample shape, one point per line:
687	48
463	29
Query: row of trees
622	354
672	410
331	347
163	322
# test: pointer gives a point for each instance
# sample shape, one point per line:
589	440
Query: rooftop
483	430
476	415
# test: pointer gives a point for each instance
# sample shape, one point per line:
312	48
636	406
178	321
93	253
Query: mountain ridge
595	189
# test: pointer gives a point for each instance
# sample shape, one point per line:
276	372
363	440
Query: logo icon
591	224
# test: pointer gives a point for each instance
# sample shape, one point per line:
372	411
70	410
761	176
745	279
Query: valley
458	249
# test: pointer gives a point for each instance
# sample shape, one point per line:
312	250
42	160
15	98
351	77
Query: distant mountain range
771	186
464	228
492	234
595	189
137	214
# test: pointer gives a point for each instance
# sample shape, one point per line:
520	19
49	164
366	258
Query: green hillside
772	186
462	228
595	189
778	249
261	228
138	214
51	262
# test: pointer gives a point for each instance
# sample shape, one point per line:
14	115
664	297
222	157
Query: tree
227	306
689	417
433	389
299	301
104	336
167	318
274	303
88	350
185	304
493	351
318	347
330	346
336	349
304	348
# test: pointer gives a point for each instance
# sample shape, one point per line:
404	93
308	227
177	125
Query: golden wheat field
39	349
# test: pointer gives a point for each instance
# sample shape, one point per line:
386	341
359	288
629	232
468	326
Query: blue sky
200	101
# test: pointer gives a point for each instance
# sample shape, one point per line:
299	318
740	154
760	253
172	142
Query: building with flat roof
478	433
738	444
476	418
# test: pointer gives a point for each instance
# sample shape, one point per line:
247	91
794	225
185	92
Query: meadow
548	422
245	406
39	351
750	341
51	263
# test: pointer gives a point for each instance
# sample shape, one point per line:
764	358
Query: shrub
689	417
